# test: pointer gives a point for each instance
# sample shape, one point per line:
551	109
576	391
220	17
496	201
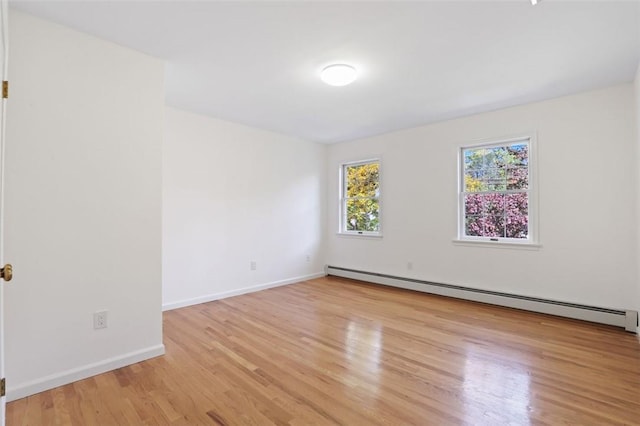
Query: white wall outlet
253	265
100	320
308	258
410	265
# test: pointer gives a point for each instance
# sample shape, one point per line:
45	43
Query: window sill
355	235
497	244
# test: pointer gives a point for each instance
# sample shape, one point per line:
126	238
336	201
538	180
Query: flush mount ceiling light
339	74
534	2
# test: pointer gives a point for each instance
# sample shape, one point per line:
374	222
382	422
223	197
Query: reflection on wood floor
336	351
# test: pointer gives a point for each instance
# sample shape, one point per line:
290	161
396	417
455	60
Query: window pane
495	157
494	226
474	158
493	205
495	179
518	178
493	215
473	182
473	226
363	215
518	154
517	219
363	180
472	205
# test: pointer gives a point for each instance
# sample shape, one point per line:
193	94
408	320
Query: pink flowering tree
496	199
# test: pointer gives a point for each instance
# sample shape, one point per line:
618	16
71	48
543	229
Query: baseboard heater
621	318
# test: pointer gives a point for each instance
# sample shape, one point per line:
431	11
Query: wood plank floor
336	351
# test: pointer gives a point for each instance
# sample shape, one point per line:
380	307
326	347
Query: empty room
320	212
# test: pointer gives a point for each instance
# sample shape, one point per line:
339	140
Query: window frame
342	207
532	192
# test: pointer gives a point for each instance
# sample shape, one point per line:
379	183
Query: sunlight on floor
496	383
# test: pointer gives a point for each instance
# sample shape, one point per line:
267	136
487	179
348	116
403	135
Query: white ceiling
258	63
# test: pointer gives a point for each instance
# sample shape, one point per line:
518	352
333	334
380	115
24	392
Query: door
4	51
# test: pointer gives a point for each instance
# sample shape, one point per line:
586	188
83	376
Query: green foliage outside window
361	201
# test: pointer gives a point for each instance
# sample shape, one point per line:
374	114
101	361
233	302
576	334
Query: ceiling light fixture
339	74
534	2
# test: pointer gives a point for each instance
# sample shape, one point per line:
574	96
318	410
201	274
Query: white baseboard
75	374
627	319
237	292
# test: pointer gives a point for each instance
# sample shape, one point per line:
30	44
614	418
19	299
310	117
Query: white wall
232	195
587	203
83	205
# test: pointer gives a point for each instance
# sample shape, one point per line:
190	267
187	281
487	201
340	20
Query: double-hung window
360	198
495	192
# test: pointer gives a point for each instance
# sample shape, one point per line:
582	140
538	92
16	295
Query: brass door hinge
3	387
5	89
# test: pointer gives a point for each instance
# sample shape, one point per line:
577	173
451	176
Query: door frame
4	68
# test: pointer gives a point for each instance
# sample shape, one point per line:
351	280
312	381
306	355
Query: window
495	192
360	198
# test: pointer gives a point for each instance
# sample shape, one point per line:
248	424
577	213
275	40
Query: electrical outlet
410	265
100	320
308	258
253	265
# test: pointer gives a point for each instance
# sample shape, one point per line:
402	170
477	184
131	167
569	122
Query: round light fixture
339	74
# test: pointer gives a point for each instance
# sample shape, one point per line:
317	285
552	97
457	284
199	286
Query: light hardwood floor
336	351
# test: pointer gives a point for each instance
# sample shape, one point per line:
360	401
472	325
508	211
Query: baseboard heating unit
621	318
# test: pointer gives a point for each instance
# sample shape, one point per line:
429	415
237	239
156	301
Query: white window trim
342	231
533	241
